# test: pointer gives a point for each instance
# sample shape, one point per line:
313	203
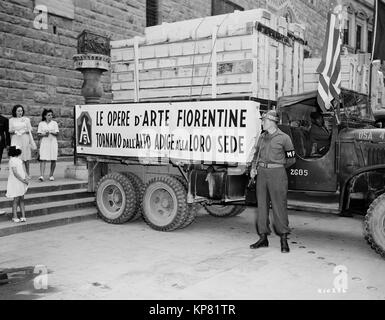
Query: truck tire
375	225
115	198
192	214
192	208
182	180
224	211
139	188
164	204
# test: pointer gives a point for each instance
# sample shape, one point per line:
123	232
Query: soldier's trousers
272	185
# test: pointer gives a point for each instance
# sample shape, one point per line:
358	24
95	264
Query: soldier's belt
270	165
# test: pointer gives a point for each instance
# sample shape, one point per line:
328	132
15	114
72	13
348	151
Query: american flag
379	31
330	66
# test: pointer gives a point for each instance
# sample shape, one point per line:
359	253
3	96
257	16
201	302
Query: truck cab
350	175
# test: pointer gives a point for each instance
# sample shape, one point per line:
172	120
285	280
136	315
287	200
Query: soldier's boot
261	243
284	245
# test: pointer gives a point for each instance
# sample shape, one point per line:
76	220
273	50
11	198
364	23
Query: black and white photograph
172	151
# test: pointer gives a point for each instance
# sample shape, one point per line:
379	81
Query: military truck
160	161
350	176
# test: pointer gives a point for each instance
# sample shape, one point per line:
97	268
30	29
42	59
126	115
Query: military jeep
351	174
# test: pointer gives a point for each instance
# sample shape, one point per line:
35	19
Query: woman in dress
48	130
20	129
17	183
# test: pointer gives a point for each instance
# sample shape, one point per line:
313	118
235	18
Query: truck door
313	173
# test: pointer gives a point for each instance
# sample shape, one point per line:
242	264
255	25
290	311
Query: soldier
274	152
319	134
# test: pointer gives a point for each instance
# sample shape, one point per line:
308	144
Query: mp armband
290	154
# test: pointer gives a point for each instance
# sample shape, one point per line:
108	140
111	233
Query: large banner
206	131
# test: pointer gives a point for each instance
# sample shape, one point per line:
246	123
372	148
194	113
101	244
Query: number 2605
299	172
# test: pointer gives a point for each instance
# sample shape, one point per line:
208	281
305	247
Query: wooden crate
354	73
378	87
210	57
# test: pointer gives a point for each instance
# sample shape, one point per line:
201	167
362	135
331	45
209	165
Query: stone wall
36	66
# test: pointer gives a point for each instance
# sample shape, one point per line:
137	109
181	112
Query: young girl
17	183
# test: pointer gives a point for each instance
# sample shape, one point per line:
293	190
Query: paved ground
209	260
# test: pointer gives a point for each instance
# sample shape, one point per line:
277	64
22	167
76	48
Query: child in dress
17	183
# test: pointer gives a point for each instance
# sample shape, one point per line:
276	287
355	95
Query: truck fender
345	190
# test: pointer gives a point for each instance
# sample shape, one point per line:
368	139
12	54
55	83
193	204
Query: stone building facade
36	66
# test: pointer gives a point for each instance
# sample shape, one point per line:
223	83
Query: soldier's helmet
271	115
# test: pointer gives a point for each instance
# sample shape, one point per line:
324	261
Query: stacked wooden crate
219	56
354	73
378	87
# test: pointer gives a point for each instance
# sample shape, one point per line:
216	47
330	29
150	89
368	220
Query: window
289	17
223	6
152	12
370	41
359	38
346	33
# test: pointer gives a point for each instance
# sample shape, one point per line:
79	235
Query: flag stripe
330	66
379	32
323	61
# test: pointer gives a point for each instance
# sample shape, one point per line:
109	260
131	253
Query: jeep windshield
354	108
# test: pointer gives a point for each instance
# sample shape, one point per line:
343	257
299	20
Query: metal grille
89	42
376	156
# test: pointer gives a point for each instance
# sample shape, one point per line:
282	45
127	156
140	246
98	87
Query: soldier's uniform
272	184
274	152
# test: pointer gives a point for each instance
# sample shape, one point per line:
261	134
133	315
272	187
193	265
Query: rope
193	65
211	55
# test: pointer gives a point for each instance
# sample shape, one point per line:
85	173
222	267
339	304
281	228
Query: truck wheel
192	213
192	208
115	198
224	211
139	188
375	225
164	204
182	180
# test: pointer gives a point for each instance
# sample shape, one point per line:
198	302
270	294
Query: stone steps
49	204
46	221
36	198
53	207
50	186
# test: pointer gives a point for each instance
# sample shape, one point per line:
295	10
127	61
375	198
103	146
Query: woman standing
48	130
20	129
